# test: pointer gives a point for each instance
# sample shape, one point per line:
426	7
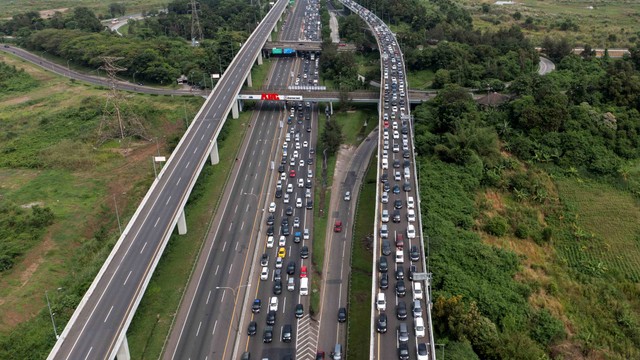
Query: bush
546	329
522	231
497	226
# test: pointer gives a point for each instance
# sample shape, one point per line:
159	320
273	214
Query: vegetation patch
14	80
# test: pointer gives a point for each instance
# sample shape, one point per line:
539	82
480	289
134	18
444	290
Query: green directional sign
276	51
291	2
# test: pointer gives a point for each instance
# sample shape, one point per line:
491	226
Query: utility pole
196	30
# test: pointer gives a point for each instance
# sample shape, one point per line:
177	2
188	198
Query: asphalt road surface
107	308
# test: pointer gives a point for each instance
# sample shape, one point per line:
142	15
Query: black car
271	317
414	253
264	260
279	193
384	281
386	186
270	230
308	184
285	230
396	189
399	272
396	216
309	204
401	289
289	211
412	270
383	265
252	329
310	161
304	252
270	219
291	267
405	130
406	164
342	315
406	154
284	221
396	164
299	311
382	323
403	351
281	168
256	306
277	275
277	287
401	310
308	128
287	333
406	187
397	204
384	177
386	248
422	349
267	337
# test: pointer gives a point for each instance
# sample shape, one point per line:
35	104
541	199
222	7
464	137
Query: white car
381	302
270	242
309	173
411	215
282	241
296	223
411	232
419	327
286	198
385	197
298	202
385	216
396	134
305	234
301	163
295	154
307	193
298	145
283	176
273	303
305	144
279	262
300	183
347	196
264	273
272	207
399	257
289	188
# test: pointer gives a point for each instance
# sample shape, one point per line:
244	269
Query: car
411	231
397	204
278	193
386	248
310	161
401	288
273	303
401	310
267	336
277	275
264	273
299	202
303	271
272	207
296	222
396	163
289	188
383	265
292	173
283	177
297	145
271	317
386	187
381	302
306	234
286	198
287	333
270	241
289	211
320	355
299	311
384	178
403	351
270	219
342	314
277	287
399	272
396	189
264	260
384	281
252	328
305	144
308	184
256	306
414	254
399	241
304	252
282	253
285	230
309	173
301	163
396	216
337	226
385	198
300	183
296	237
347	196
385	216
291	267
412	270
419	327
381	324
283	240
281	168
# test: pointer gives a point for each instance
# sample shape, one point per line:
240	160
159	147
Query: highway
98	325
398	247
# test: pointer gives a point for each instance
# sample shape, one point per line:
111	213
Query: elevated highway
97	329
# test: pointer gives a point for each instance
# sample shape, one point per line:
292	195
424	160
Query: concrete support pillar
234	110
241	105
249	82
331	107
260	58
182	223
271	36
123	350
214	156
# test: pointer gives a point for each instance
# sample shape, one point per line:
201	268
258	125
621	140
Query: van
304	286
385	163
419	327
417	291
410	203
417	309
337	352
381	302
403	333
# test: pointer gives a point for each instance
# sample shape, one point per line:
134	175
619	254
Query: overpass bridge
356	96
304	46
97	328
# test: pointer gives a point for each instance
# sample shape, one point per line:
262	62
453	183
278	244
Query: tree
86	20
331	137
517	15
116	9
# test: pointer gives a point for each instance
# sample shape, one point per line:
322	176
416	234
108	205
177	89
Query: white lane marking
194	150
154	225
247	209
215	324
202	138
86	357
253	153
105	319
224	246
284	304
230	267
230	225
208	125
186	166
167	203
125	280
208	296
143	246
256	176
198	331
241	226
222	297
236	210
178	182
216	273
237	246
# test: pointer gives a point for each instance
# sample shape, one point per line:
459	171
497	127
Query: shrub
497	226
545	328
522	231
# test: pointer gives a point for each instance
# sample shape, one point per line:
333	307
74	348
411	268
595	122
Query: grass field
420	80
361	264
353	122
9	8
600	24
51	157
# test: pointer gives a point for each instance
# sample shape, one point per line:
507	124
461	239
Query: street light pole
55	331
442	349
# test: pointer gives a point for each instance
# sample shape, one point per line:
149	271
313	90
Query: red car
386	124
292	173
337	227
303	271
320	355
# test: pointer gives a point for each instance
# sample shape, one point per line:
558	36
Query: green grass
361	264
10	8
352	123
152	321
420	80
259	73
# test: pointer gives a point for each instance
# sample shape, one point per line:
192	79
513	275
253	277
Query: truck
304	286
